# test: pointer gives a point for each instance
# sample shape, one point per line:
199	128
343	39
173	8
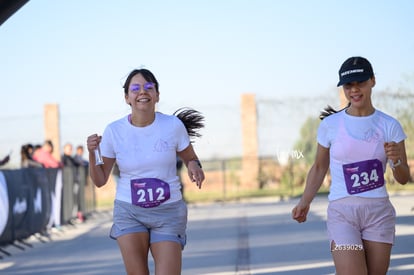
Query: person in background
67	158
179	166
356	143
81	178
44	156
149	213
69	161
116	173
26	155
79	156
5	160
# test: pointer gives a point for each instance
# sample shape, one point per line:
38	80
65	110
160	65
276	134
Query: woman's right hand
92	142
300	211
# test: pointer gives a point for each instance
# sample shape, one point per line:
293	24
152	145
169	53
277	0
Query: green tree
399	102
307	142
406	119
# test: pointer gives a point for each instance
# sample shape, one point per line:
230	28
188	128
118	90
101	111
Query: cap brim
353	78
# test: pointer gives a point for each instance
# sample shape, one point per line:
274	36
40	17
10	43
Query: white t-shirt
146	152
353	140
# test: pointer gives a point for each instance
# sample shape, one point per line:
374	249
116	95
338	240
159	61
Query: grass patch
219	196
194	197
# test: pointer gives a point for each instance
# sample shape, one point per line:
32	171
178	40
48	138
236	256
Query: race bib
149	192
363	176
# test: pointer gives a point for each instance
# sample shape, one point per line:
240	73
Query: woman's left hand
195	172
393	151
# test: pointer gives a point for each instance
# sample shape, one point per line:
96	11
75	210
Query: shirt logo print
371	136
161	146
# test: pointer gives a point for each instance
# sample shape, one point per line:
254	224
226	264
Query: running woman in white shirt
149	212
356	144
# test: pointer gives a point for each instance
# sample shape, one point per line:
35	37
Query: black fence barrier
33	200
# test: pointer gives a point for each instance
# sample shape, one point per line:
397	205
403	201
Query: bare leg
167	257
377	256
134	249
348	261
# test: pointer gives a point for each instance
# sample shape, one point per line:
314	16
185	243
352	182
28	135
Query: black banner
5	213
32	200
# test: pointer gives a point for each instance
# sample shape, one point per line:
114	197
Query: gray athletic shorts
166	222
353	219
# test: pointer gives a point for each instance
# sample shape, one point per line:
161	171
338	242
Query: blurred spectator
115	172
179	166
26	153
45	157
67	158
79	156
5	160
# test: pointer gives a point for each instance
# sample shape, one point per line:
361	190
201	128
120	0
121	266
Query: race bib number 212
149	192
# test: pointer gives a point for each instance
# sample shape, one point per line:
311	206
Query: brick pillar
51	127
250	164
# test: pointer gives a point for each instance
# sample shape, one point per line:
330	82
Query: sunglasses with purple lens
135	88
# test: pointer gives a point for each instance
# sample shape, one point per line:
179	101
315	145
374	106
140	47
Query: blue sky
204	53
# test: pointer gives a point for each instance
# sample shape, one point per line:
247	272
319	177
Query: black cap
355	69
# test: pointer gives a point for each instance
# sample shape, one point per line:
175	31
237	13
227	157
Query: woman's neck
353	111
142	120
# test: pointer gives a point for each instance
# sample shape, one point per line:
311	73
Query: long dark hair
192	119
327	111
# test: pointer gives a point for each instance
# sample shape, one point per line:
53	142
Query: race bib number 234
363	176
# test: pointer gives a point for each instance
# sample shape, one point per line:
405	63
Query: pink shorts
353	219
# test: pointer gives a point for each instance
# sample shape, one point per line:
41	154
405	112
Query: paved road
250	237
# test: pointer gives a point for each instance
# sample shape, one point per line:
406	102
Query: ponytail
193	120
329	111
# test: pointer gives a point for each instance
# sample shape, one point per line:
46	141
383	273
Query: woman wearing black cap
356	144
